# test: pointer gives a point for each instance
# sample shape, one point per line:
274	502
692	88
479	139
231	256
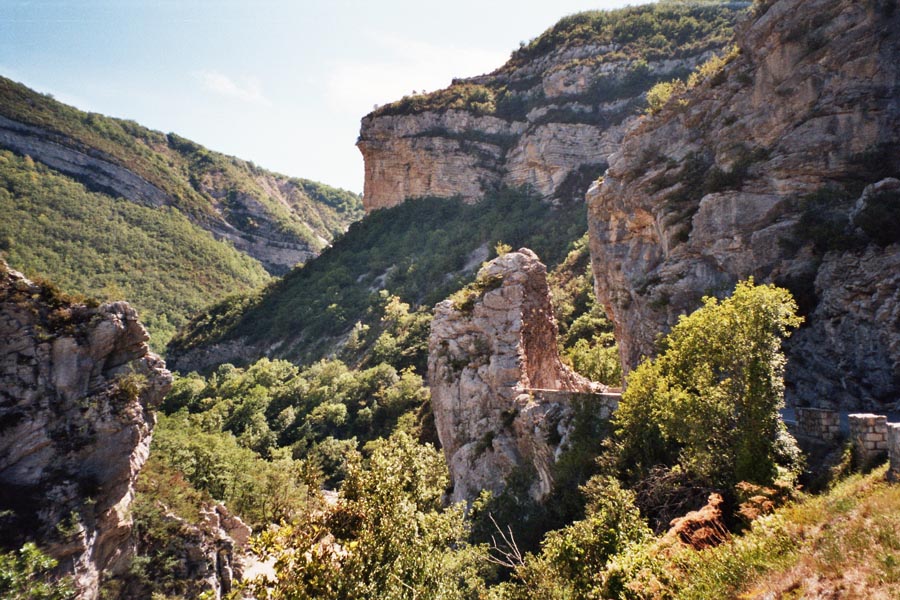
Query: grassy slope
113	249
844	543
418	251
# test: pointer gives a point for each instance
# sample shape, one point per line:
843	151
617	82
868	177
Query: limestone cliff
547	119
502	399
761	170
77	384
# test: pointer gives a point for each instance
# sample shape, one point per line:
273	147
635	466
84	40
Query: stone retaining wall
869	436
893	440
819	423
605	402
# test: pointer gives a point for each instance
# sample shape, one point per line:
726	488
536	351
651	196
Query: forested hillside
419	251
107	208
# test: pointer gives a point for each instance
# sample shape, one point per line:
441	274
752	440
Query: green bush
388	535
709	402
880	218
571	558
26	574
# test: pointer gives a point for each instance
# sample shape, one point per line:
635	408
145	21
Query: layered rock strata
502	399
761	170
546	122
77	385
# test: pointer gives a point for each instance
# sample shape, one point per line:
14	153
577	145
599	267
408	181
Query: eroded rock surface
760	171
77	385
547	122
502	399
207	558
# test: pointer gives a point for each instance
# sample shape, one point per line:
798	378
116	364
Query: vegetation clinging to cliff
664	30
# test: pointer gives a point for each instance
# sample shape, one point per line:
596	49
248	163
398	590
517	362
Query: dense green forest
113	249
420	251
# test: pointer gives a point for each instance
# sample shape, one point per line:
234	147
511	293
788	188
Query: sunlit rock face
780	167
77	385
502	399
547	122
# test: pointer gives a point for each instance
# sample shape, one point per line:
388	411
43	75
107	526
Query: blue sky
282	83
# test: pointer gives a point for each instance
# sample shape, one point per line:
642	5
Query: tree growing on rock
709	402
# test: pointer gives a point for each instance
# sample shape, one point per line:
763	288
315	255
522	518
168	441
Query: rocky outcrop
77	384
760	171
206	559
546	120
501	397
214	551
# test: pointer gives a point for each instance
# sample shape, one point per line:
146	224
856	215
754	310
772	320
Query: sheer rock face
499	391
742	176
76	388
556	147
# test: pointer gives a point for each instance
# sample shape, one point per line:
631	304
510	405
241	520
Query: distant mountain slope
548	117
112	248
110	209
275	219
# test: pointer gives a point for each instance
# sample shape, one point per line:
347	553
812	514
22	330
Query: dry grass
844	544
850	545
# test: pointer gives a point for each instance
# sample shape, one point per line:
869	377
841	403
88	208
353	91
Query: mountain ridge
107	208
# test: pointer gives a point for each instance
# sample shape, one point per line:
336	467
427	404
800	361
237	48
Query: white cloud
248	91
404	65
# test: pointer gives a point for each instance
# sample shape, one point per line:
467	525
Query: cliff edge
77	384
548	117
781	165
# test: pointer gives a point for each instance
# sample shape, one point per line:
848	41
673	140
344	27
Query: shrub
880	217
571	558
660	94
27	574
709	402
386	537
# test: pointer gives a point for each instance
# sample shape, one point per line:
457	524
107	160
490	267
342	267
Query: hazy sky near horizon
282	83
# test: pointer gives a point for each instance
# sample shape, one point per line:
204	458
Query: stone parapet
893	440
868	436
819	423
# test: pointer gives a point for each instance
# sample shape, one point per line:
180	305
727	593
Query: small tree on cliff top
709	402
